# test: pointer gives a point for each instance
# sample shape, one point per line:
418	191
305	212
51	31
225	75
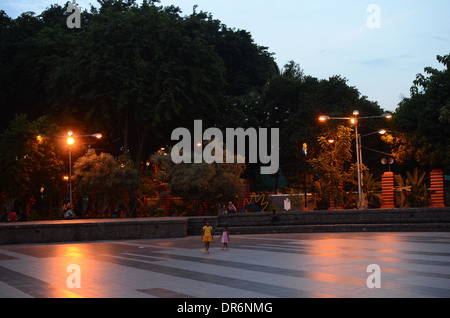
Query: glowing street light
379	131
354	121
70	141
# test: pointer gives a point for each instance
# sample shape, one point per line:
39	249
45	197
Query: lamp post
359	143
354	121
379	131
305	153
70	141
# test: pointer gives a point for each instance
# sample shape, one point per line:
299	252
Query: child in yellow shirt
207	235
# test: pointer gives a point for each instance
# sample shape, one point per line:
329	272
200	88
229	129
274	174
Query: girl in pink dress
225	238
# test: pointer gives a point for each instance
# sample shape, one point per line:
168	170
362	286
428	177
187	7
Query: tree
293	101
201	182
148	188
29	166
421	122
413	191
249	66
135	72
144	72
102	175
331	163
444	115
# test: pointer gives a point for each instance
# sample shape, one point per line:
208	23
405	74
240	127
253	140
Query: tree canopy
214	182
422	131
135	72
103	174
29	163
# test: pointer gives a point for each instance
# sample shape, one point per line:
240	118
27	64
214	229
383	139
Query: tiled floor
255	266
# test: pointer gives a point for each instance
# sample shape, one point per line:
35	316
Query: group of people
207	231
230	209
207	236
14	216
22	215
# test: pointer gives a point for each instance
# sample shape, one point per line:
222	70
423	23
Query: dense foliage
136	72
422	121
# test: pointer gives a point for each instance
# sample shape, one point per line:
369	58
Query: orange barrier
387	190
437	188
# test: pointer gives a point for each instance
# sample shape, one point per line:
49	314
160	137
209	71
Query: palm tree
413	191
370	186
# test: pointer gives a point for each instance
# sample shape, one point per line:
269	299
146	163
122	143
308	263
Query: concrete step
331	228
412	219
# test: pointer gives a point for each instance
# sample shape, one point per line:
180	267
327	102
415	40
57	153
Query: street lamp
70	142
354	121
379	131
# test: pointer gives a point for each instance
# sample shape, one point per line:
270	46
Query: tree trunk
132	202
29	204
125	133
90	207
105	203
142	140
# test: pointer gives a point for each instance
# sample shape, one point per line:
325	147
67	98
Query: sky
379	46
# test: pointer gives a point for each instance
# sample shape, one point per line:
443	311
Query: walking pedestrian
207	235
225	238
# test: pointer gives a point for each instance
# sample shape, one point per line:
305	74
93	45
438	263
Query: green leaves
413	191
112	179
103	172
200	182
26	162
423	120
330	164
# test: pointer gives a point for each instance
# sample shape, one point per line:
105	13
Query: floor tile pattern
306	265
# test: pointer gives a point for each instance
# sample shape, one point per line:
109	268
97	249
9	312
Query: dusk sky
378	45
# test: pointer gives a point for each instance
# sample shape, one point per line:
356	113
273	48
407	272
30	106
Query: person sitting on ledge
274	217
12	216
69	215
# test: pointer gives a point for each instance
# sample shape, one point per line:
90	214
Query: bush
34	216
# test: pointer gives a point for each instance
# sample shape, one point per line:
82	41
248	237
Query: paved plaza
255	266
